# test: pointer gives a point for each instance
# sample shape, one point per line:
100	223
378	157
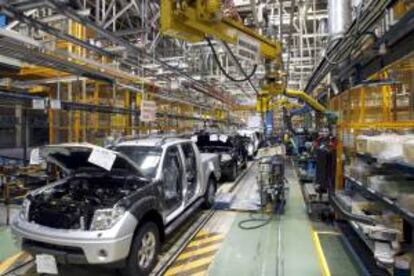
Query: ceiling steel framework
128	31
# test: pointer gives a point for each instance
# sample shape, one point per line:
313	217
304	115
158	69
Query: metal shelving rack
377	106
101	90
375	96
389	203
103	117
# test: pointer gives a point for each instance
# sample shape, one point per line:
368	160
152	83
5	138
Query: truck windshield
146	158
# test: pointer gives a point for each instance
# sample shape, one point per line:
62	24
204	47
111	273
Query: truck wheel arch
155	217
148	209
212	170
211	175
211	180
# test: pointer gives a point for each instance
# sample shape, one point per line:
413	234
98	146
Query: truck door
173	173
190	171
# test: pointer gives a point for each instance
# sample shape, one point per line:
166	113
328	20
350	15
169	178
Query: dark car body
230	148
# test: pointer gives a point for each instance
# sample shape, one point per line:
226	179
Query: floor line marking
202	250
203	273
203	236
207	240
203	232
194	258
197	247
321	256
188	266
6	264
328	233
315	238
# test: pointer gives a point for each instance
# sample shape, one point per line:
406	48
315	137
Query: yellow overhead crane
312	102
284	103
198	20
193	20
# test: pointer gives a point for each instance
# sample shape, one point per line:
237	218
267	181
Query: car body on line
252	146
118	216
230	148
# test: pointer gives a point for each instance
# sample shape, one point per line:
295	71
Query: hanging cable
255	222
216	58
260	218
240	67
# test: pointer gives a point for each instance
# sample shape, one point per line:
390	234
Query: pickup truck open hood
73	157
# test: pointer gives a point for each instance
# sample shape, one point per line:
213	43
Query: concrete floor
286	245
7	245
339	260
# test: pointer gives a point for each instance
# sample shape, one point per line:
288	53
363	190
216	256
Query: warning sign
148	111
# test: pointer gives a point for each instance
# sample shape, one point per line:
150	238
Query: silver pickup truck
116	215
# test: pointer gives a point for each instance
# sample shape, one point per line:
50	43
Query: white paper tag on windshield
55	104
102	157
38	104
213	137
194	139
46	264
35	158
223	138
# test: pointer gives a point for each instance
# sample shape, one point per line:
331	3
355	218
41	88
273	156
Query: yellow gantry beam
284	102
195	20
244	108
377	125
41	71
194	23
272	90
312	102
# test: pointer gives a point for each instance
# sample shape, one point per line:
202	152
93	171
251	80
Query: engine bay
71	205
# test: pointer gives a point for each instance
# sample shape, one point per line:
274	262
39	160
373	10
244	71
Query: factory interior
206	137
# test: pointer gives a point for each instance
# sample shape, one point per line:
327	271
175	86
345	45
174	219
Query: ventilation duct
339	12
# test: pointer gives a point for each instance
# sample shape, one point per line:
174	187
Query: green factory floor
7	245
339	260
283	247
288	245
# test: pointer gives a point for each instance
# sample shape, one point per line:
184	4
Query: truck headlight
24	211
225	157
104	219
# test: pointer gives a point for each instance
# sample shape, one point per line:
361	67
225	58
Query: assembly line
215	239
206	137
